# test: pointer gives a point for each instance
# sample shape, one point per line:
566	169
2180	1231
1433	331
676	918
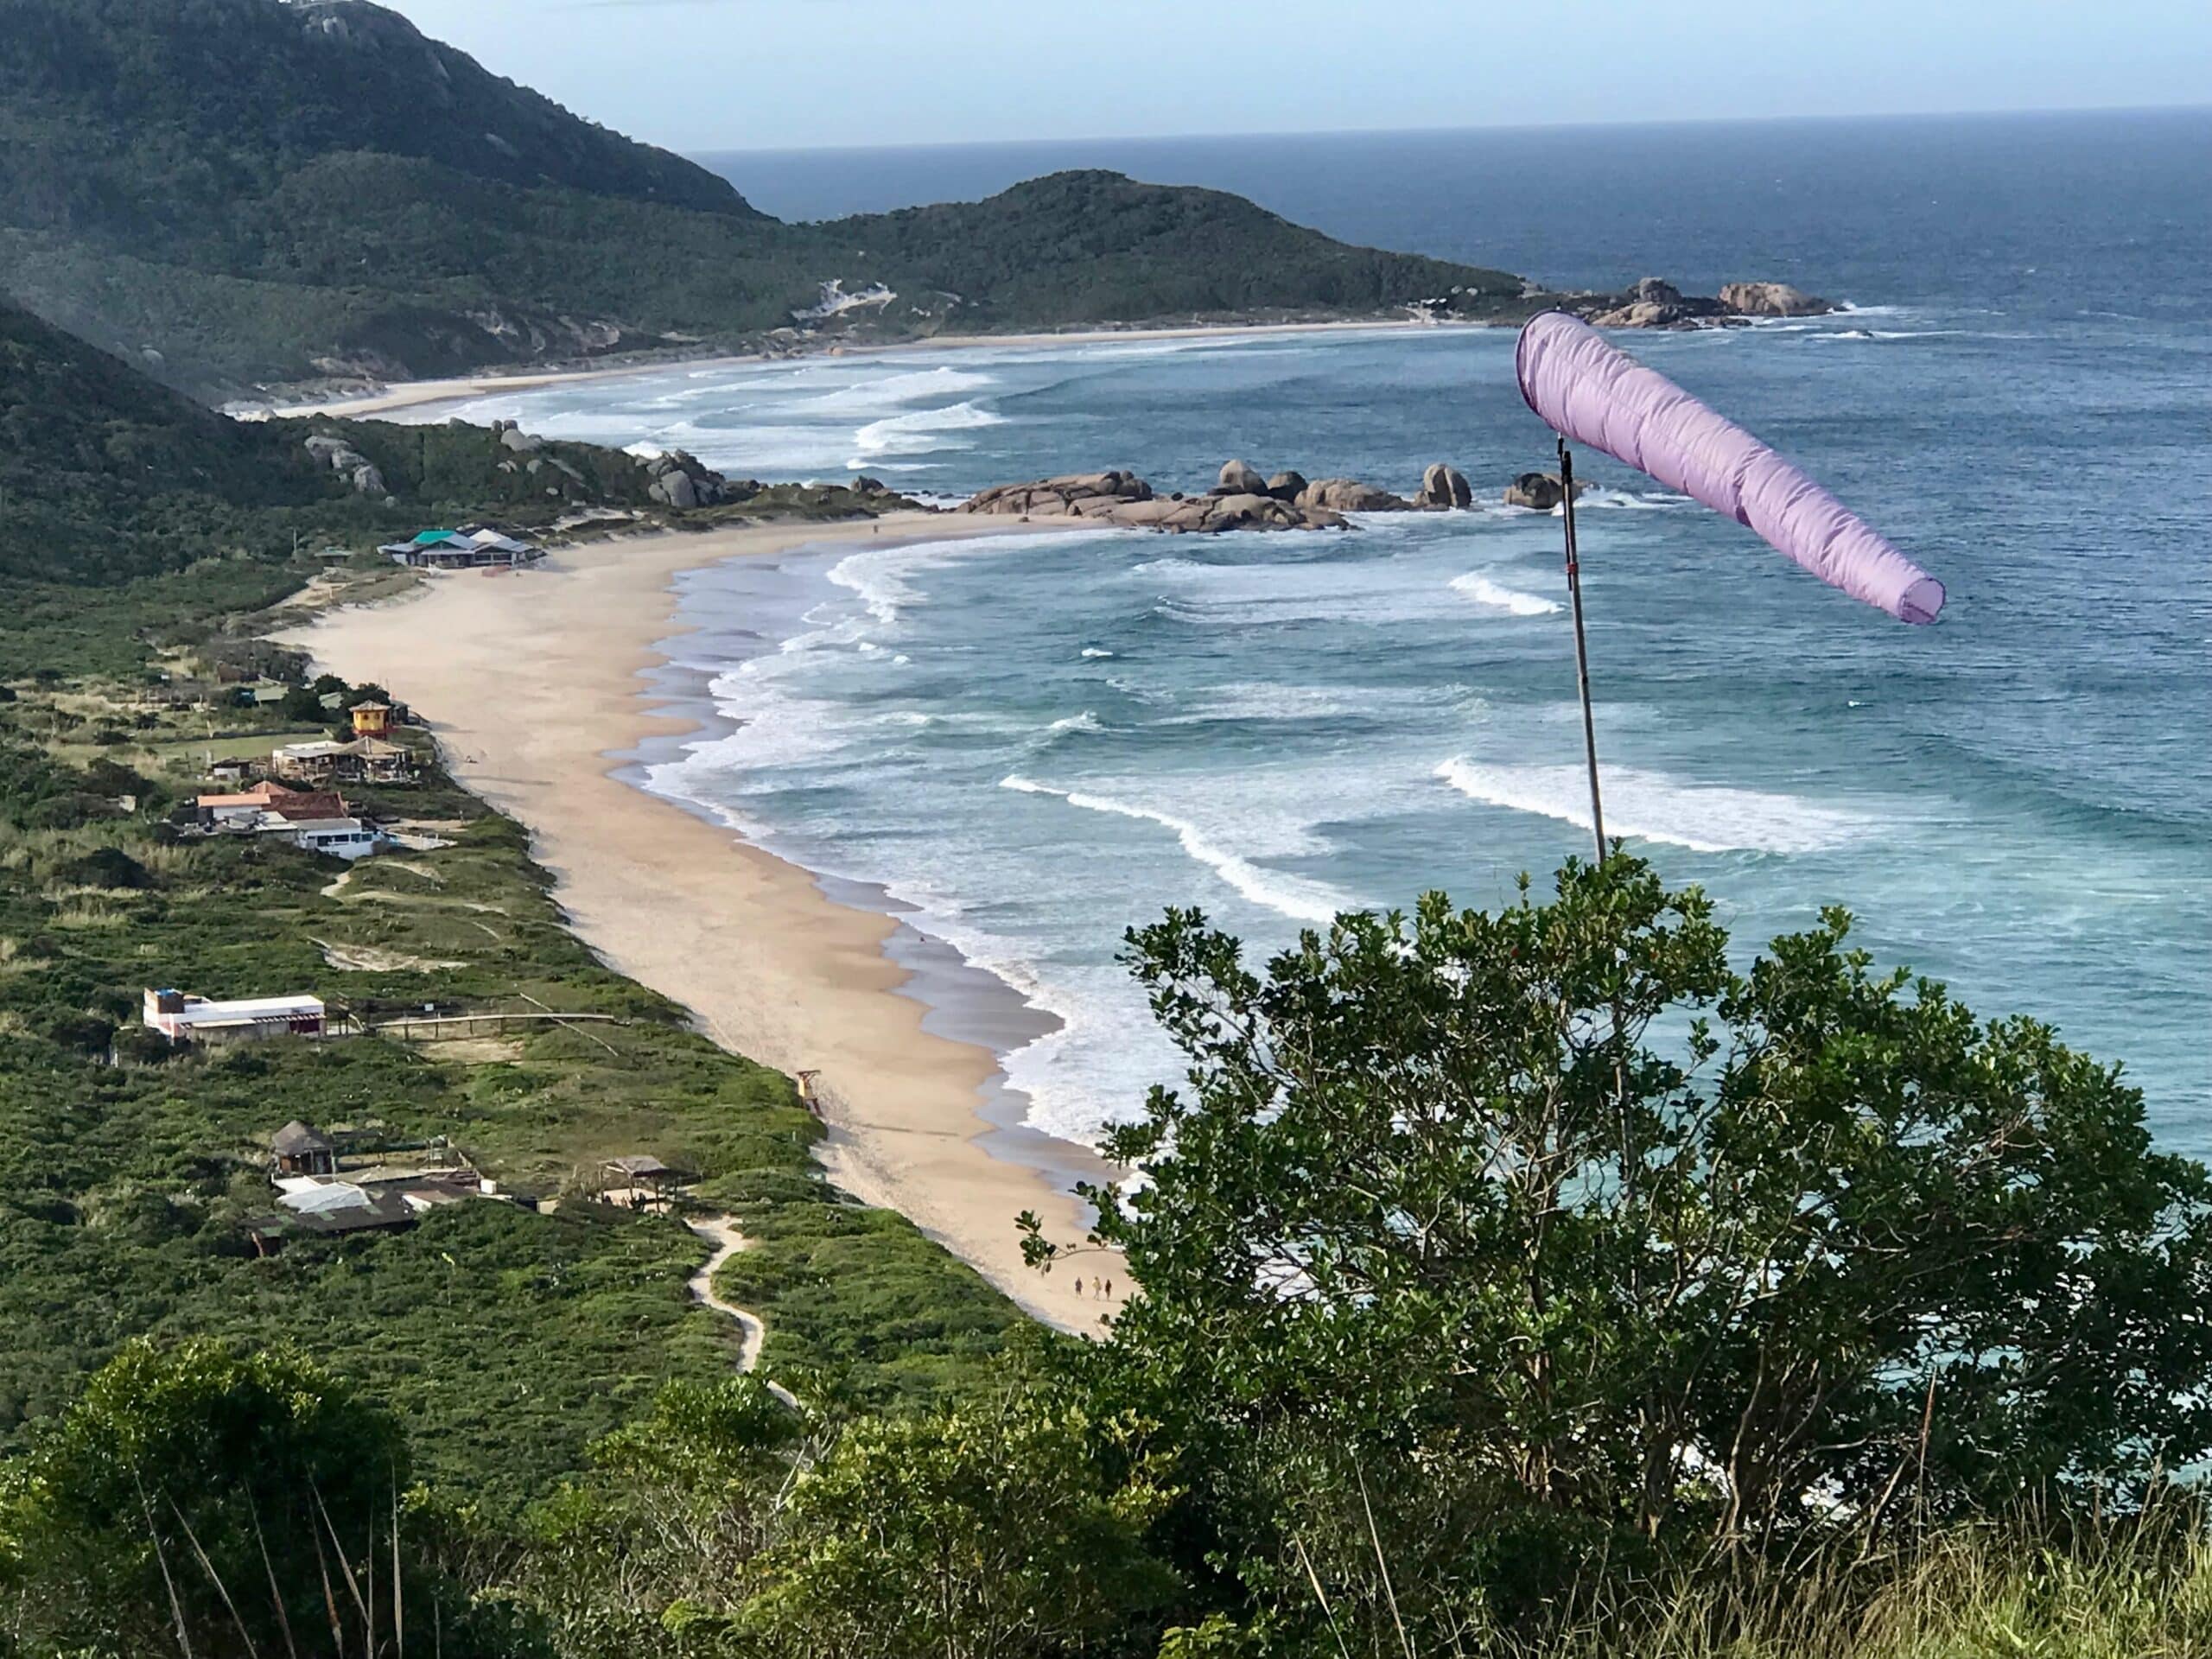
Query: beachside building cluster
326	1186
472	548
318	763
364	760
357	1182
316	820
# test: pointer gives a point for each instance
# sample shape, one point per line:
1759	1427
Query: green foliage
1549	1240
509	1340
195	1489
109	481
1093	244
677	1511
857	1300
1008	1526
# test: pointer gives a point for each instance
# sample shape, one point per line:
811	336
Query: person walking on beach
1079	1287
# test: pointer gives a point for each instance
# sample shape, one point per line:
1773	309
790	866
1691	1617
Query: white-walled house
183	1018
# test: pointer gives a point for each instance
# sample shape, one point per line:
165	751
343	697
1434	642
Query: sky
790	75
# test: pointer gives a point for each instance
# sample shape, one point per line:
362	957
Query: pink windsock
1594	393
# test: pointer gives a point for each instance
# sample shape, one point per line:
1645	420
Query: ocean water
1030	743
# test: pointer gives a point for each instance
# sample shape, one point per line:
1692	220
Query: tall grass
2138	1587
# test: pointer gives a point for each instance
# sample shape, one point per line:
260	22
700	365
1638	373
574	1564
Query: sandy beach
532	683
418	394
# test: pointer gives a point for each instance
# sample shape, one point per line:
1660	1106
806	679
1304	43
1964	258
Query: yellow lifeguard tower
371	719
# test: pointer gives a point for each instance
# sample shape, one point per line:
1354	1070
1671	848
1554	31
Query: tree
1476	1241
663	1535
302	705
194	1501
1008	1528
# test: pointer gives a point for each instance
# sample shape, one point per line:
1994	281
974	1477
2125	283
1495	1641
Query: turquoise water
1031	743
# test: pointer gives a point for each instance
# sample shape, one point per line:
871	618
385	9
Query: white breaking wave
1288	895
1647	806
892	389
1093	650
1627	501
1276	700
922	430
1085	721
1491	595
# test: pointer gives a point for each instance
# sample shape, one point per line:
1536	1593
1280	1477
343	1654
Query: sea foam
1288	895
1479	589
1649	806
922	429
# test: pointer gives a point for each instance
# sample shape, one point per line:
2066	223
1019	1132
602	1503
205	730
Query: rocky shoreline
1242	500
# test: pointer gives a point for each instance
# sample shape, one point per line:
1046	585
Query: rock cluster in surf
1657	303
1241	499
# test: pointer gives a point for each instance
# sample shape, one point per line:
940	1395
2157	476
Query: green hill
244	191
104	474
107	477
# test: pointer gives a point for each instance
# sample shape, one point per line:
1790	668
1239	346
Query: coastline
416	394
536	687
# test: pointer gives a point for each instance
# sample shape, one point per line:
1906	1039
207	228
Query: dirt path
719	1232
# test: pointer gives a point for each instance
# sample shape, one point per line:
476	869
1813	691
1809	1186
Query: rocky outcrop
1541	491
1240	478
1654	303
1443	487
348	462
1241	500
1657	303
1349	495
1123	498
512	436
1212	513
1774	300
1081	495
683	481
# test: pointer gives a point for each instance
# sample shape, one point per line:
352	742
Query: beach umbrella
1590	392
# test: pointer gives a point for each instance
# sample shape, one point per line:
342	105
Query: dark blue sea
1032	744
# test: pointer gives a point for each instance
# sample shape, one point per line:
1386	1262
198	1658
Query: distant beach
532	682
418	394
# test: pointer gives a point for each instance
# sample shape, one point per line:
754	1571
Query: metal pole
1581	646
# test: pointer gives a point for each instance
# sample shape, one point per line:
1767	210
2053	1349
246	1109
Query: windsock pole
1581	646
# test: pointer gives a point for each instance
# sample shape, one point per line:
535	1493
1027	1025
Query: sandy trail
722	1233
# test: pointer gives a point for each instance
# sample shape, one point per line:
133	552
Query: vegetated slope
107	477
1098	245
238	192
220	98
106	473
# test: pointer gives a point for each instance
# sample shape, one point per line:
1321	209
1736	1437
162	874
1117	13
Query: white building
340	837
185	1019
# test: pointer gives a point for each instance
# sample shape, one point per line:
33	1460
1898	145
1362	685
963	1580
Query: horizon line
1517	127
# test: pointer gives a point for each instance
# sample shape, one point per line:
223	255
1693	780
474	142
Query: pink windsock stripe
1594	393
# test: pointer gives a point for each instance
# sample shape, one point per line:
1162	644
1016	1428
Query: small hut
635	1177
302	1150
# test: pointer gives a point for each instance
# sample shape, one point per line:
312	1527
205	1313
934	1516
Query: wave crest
1649	806
922	430
1288	895
1479	589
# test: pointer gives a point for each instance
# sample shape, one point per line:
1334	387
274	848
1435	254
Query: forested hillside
241	191
111	486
